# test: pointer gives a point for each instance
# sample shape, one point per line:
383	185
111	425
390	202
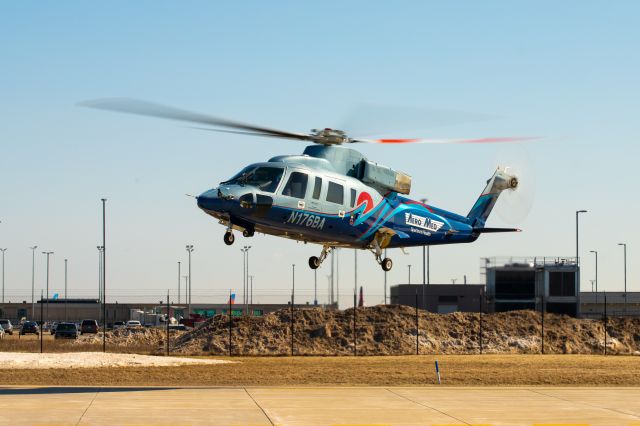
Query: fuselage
305	198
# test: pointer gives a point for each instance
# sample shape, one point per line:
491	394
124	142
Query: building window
562	284
515	284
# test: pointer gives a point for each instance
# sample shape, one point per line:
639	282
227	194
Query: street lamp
578	252
33	280
625	275
178	283
65	289
3	250
596	253
99	273
245	276
47	253
189	250
409	273
425	267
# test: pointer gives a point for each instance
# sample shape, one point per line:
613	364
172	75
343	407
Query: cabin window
335	193
353	198
317	188
296	187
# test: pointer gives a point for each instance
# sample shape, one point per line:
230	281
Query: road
322	406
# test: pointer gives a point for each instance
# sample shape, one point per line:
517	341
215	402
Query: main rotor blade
138	107
445	141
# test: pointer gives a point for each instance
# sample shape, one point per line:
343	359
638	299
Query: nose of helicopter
209	200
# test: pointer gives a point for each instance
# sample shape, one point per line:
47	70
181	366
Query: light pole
385	280
409	273
355	269
625	274
33	280
189	250
104	275
425	267
3	250
245	262
577	282
47	253
251	291
315	286
596	253
186	284
178	283
99	273
65	290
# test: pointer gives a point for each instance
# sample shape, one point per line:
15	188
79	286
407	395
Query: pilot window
317	188
335	193
353	197
264	178
296	187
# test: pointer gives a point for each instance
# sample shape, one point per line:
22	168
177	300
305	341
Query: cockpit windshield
264	178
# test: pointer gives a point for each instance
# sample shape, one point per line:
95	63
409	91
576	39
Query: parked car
134	324
89	326
66	330
30	327
53	327
7	326
119	324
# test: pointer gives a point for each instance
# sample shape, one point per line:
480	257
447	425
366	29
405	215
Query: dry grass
592	370
91	343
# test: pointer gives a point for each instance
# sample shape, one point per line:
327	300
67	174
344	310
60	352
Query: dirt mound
150	337
391	329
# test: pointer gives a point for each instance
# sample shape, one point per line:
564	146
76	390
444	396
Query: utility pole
409	274
293	292
315	286
355	270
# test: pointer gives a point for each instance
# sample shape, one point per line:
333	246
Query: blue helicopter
330	195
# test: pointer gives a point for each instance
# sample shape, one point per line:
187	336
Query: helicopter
330	194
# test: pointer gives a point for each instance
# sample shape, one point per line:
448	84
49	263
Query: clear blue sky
568	71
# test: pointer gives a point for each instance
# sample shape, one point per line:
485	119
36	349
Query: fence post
417	327
229	322
605	323
291	323
167	319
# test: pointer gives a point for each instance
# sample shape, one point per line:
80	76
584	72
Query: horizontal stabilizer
492	230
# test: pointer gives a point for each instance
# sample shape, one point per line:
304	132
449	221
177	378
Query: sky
565	71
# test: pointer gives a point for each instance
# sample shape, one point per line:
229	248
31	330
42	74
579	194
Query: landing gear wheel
314	262
386	264
247	233
229	238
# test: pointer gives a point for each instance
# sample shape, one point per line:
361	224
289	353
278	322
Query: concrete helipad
321	406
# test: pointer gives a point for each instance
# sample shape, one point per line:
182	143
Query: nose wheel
386	264
229	238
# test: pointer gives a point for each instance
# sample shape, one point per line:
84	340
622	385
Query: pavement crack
88	406
583	403
427	406
258	405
